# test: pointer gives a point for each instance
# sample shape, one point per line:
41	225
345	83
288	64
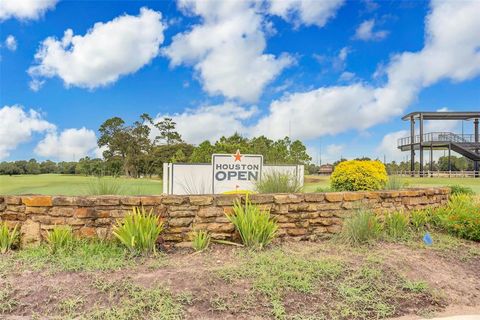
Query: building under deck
468	145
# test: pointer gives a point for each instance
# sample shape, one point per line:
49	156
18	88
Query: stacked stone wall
302	216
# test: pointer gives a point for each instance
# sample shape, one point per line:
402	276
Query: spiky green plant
8	238
396	225
104	186
139	231
60	237
256	227
277	182
200	240
362	227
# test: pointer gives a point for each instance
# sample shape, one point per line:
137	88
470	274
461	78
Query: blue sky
336	74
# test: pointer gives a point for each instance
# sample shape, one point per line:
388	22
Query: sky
336	74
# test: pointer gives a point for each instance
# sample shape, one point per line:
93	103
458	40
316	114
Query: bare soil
453	275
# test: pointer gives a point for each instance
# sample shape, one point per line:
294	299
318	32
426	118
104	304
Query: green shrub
419	219
358	175
457	189
276	182
104	186
256	227
323	189
60	237
460	217
362	227
394	183
8	238
200	240
139	231
396	225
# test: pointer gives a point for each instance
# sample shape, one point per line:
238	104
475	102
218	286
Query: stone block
210	212
174	199
200	200
296	232
85	201
130	201
334	228
37	201
334	196
63	201
30	233
88	232
37	210
353	196
220	227
107	201
322	221
84	213
227	199
294	207
261	198
288	198
151	200
13	200
314	197
180	214
180	222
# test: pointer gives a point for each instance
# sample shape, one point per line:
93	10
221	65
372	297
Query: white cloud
17	126
210	122
388	146
329	154
11	43
307	12
451	51
105	53
347	76
226	49
25	9
70	144
365	31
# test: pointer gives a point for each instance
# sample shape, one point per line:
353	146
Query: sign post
237	172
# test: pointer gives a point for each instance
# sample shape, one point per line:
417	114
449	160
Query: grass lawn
314	182
60	184
289	280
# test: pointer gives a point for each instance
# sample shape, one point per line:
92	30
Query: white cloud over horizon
105	53
25	9
19	126
68	145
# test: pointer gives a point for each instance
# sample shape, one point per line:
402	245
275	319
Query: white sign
237	172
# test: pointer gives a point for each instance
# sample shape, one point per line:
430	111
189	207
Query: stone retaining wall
303	216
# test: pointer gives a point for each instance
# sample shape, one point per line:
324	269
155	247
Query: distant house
325	169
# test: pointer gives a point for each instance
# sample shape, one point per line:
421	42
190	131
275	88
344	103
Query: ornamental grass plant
277	182
8	237
139	231
200	240
256	227
361	228
60	238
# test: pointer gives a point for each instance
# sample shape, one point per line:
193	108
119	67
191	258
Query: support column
449	159
412	143
477	139
421	145
431	159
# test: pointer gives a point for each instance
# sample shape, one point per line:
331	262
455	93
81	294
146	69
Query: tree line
141	148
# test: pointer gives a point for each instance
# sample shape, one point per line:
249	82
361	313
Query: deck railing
438	137
439	174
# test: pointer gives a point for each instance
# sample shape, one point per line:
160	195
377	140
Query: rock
334	196
201	200
30	233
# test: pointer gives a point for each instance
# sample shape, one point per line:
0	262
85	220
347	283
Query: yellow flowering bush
358	175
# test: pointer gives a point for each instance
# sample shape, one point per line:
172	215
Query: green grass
83	255
474	184
60	184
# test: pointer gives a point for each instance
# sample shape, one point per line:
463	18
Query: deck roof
457	115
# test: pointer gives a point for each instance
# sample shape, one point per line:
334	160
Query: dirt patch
194	283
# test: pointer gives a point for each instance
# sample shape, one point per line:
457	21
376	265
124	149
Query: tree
166	127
